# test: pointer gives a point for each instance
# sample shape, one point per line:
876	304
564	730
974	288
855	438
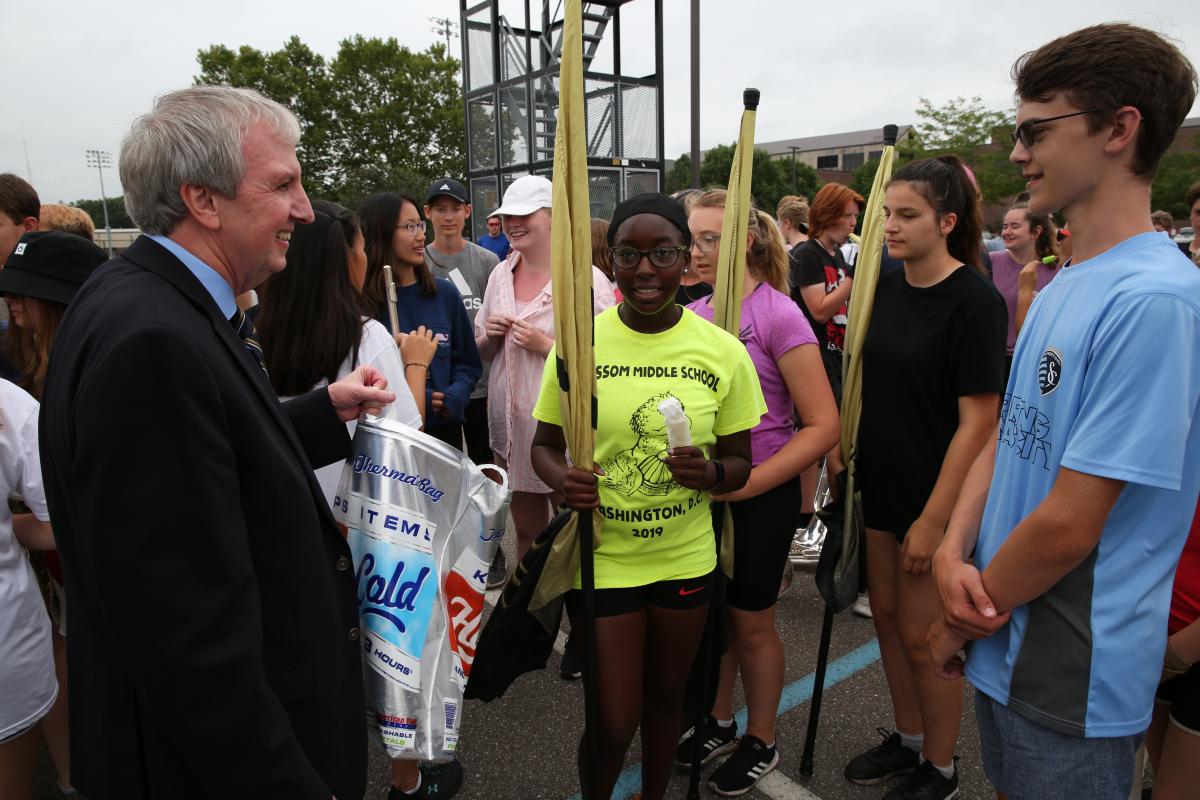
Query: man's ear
30	224
1126	123
202	205
467	206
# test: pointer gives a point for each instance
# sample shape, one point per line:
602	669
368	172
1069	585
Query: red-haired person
820	279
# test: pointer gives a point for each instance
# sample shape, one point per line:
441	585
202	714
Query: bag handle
499	471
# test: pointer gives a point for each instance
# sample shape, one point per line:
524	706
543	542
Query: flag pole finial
890	133
750	99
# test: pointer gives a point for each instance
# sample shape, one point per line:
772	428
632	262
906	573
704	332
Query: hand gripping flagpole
727	311
866	276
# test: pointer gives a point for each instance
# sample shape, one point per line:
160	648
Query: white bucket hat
526	195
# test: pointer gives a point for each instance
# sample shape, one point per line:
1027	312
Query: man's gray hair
192	136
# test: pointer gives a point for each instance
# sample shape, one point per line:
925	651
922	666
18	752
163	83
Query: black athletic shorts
1182	694
676	595
763	529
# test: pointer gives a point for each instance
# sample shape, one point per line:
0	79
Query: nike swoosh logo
685	592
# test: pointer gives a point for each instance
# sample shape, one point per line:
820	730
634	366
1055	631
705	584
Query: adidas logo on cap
444	186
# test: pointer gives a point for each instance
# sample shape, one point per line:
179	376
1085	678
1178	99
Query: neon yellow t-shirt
654	529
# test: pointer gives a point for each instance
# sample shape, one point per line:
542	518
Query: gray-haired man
213	636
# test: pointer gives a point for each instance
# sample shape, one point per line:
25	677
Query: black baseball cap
447	187
50	265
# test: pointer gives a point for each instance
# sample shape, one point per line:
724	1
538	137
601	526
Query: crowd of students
1028	455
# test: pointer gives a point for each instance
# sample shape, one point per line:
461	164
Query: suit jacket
213	635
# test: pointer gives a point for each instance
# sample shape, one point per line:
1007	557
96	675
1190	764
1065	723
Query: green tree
957	126
118	217
1176	172
680	176
863	178
979	136
771	179
377	116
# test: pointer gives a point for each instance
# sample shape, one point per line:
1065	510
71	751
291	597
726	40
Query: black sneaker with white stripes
713	741
748	764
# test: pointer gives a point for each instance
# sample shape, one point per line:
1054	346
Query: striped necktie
245	331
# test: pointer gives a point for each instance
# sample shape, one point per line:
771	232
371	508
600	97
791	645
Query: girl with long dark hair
933	371
394	234
315	327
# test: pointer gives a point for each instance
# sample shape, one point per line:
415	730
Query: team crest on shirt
1050	371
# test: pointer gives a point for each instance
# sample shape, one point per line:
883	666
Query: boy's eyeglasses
1026	131
660	257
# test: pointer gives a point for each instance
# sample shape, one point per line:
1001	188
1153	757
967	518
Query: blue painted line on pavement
794	694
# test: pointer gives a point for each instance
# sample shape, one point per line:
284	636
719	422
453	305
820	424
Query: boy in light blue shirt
1077	513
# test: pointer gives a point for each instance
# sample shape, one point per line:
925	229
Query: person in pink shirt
514	329
1028	238
767	510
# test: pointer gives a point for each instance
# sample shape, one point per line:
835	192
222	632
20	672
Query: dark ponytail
946	185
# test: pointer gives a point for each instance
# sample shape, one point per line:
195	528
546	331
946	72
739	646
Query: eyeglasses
660	257
1025	132
707	243
412	228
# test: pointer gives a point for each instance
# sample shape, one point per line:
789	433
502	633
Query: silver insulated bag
423	523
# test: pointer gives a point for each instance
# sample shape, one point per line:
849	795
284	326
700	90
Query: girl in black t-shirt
933	370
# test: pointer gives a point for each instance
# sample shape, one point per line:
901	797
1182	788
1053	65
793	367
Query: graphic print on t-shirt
471	301
1049	370
640	469
835	326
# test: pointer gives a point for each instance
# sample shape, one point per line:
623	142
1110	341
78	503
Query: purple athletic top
772	324
1004	274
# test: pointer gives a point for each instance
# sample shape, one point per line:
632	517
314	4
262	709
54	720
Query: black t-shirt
924	349
685	295
811	264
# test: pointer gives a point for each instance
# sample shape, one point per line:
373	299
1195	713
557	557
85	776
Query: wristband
720	475
418	364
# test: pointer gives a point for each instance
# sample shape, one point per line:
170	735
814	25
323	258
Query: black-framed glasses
1026	130
660	257
706	243
413	228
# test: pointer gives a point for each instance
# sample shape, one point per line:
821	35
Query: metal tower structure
510	61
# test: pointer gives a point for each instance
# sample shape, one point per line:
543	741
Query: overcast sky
74	74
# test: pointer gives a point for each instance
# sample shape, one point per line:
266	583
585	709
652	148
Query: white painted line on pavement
778	786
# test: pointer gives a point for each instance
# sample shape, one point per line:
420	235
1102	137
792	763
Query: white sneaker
862	607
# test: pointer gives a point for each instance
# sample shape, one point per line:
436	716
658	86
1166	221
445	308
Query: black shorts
763	529
1182	694
678	595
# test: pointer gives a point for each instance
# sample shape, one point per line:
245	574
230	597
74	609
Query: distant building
840	153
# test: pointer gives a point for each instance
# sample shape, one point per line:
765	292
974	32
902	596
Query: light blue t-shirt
1105	381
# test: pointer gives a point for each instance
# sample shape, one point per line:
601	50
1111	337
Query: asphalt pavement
523	745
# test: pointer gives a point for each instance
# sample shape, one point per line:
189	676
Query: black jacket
212	640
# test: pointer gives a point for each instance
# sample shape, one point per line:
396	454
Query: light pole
444	26
101	159
695	94
793	148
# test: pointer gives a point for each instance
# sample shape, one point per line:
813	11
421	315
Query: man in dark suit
213	636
